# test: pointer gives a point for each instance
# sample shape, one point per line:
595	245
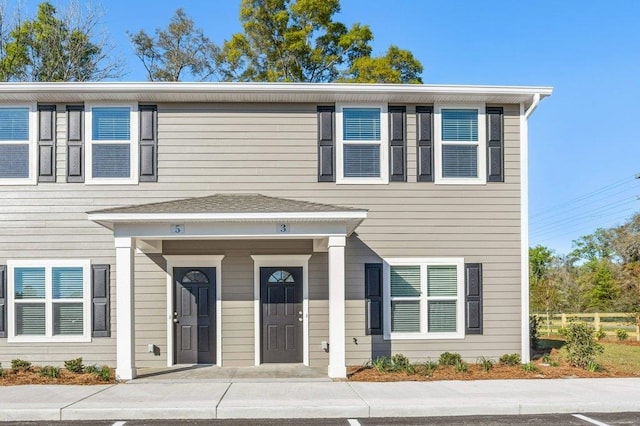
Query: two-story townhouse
153	224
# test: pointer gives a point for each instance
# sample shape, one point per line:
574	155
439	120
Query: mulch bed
32	377
498	371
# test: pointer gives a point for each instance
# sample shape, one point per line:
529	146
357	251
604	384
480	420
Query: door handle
175	320
300	319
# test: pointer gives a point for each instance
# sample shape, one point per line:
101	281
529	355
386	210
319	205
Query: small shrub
450	358
103	373
600	334
580	344
461	367
74	365
397	362
547	359
49	371
426	368
93	369
534	331
510	359
622	334
530	367
593	366
487	364
20	365
400	362
1	370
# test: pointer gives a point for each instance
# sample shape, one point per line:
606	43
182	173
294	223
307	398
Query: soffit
157	92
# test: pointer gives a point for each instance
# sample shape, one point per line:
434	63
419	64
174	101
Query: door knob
300	319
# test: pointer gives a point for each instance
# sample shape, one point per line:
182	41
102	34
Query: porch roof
230	207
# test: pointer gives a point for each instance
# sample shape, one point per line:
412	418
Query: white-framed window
460	149
112	144
49	300
424	298
362	144
18	135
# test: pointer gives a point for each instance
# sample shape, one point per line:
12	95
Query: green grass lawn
624	357
616	356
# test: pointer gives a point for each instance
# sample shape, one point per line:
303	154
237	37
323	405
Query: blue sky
584	152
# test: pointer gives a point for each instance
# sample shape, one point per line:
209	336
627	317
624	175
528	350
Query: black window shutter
373	296
425	143
148	143
75	143
46	143
3	301
326	144
397	144
100	310
495	144
473	298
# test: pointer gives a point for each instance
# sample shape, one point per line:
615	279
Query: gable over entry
226	217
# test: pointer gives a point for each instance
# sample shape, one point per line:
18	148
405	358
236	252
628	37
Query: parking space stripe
354	422
590	420
118	424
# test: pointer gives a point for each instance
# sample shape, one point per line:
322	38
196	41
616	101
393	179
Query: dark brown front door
281	300
194	315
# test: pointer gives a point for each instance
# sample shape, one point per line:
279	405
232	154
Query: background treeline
281	41
600	274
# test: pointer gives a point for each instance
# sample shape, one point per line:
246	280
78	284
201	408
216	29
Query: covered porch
280	281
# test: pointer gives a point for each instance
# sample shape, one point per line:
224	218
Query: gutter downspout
534	104
525	351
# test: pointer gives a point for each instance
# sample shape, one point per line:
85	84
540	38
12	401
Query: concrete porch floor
213	373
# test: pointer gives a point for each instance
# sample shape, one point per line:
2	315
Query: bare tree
175	51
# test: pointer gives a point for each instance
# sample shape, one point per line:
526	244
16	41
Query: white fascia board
169	91
163	217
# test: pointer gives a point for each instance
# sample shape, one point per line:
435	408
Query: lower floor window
49	300
425	297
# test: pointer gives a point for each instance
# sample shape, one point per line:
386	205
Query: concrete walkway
299	398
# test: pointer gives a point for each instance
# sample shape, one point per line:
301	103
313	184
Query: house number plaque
283	228
177	229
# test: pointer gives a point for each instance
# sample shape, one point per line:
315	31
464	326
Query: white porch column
125	308
337	364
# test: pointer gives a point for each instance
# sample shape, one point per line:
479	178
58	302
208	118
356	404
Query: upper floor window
112	149
49	300
17	144
362	135
460	144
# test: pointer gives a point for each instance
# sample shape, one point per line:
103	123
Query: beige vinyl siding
272	149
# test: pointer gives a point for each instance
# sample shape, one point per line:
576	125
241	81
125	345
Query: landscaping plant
530	367
600	334
580	344
622	334
450	358
49	371
534	331
510	359
20	365
461	367
487	364
74	365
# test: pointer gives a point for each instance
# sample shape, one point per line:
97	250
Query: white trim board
212	261
299	260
